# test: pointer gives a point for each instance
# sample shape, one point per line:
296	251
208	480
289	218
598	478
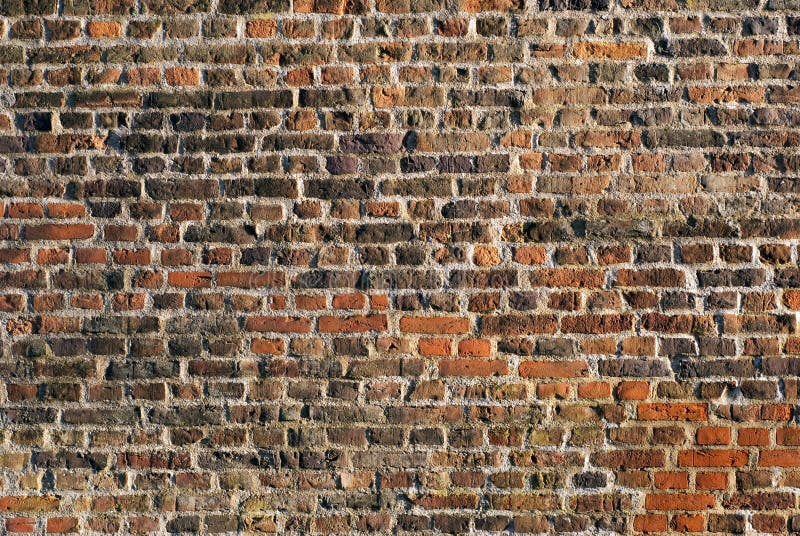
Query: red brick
176	257
566	277
59	231
349	301
62	525
650	523
131	256
713	435
190	279
750	437
120	233
15	255
711	481
474	348
250	279
779	458
671	480
688	523
25	210
66	210
22	525
310	302
90	256
712	458
129	302
279	324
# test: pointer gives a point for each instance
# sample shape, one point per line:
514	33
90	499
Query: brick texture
399	266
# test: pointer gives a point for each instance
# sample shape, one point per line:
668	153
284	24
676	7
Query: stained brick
272	266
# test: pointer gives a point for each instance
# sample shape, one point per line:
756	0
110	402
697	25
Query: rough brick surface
399	266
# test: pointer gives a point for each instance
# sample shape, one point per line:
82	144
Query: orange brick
103	28
530	255
264	27
713	435
21	525
609	50
553	369
182	76
52	256
62	525
310	302
434	347
349	301
479	6
650	523
379	301
434	325
633	390
474	348
267	346
66	210
553	390
25	210
753	437
29	503
679	501
673	412
711	481
594	390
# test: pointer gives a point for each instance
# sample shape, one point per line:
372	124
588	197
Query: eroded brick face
399	266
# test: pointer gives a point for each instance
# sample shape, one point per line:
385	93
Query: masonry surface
399	266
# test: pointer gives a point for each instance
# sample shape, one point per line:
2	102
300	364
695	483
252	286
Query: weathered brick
553	369
673	411
502	254
609	50
442	325
472	367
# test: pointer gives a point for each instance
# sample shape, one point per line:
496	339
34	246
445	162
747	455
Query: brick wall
328	266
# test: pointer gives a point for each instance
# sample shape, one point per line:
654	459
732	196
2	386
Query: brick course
399	266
